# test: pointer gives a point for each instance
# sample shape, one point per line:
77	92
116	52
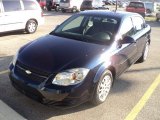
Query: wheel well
149	39
75	7
34	20
113	71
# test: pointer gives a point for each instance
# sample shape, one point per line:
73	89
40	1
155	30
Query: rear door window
10	5
138	23
30	5
127	28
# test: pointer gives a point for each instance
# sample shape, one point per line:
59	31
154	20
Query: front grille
35	77
29	91
34	70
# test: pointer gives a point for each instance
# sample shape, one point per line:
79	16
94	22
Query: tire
31	26
74	10
145	53
57	8
63	10
102	88
148	11
143	15
49	8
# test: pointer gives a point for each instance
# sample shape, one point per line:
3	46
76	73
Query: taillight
142	9
128	8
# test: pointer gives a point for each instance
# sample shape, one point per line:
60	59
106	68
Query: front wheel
102	88
74	10
63	10
31	26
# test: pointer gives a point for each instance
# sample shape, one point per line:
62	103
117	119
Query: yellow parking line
134	112
3	72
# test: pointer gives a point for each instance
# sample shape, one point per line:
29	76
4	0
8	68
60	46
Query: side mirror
56	27
145	25
128	39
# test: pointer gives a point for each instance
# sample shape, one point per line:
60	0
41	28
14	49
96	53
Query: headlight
15	59
70	77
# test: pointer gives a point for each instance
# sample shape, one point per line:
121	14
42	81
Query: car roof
136	2
117	14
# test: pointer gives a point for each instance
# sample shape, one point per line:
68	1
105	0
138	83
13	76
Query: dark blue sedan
81	58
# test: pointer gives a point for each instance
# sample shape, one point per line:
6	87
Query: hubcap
146	51
74	10
104	88
32	27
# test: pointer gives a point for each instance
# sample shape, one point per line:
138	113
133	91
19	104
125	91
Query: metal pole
116	5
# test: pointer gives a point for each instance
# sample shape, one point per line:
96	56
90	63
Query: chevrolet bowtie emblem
28	72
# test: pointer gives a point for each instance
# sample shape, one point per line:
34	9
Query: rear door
141	35
13	15
126	53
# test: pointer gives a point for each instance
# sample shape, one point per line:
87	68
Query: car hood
53	54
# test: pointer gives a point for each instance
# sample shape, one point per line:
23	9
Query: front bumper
49	96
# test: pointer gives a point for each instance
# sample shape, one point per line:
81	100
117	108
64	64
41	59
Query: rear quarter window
30	5
10	5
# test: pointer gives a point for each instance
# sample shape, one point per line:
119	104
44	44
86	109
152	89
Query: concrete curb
7	113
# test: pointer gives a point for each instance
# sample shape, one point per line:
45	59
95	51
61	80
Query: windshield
64	1
136	4
94	29
87	3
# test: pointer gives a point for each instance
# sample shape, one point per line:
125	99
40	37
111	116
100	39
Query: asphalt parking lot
134	95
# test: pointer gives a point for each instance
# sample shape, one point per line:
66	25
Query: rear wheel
31	26
49	8
63	10
57	8
102	88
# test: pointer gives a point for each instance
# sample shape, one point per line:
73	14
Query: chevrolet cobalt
81	58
